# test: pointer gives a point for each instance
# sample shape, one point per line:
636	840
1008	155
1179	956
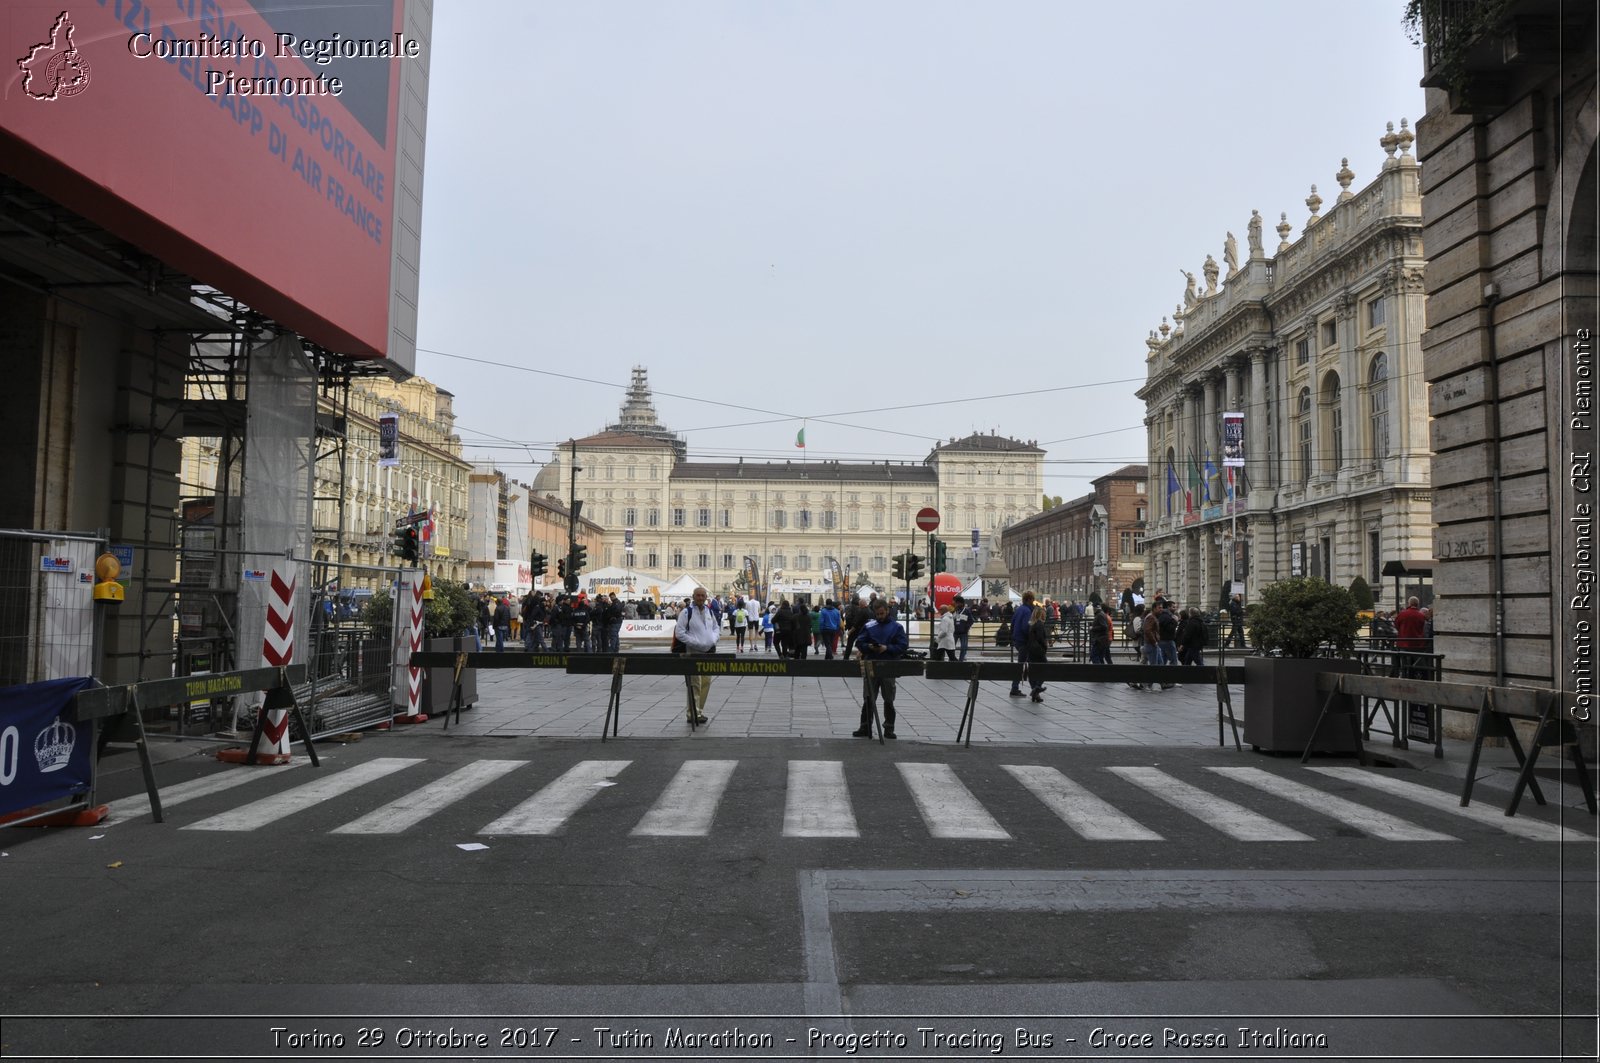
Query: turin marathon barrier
120	707
693	665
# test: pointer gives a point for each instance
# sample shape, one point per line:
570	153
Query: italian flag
800	438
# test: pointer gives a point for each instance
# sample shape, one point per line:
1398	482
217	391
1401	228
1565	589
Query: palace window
702	560
652	518
1333	421
677	516
780	519
702	517
1302	352
1378	405
677	558
1375	312
630	516
1303	433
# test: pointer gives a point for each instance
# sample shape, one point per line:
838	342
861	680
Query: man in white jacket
698	628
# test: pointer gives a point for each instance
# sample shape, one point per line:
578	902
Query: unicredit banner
269	148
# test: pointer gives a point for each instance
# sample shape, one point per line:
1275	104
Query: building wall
1318	345
861	515
1088	545
1510	193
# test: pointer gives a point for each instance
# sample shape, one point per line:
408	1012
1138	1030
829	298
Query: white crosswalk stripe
1078	808
817	802
172	796
547	810
1445	802
687	806
1234	820
1376	823
418	805
270	809
947	806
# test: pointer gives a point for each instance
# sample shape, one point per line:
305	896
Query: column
1257	465
1207	443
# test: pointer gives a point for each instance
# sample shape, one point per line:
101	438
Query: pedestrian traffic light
579	553
540	564
941	554
399	547
561	567
913	567
899	566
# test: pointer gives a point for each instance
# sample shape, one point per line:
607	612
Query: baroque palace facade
1318	345
704	518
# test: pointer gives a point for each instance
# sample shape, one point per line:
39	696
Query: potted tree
448	621
1298	627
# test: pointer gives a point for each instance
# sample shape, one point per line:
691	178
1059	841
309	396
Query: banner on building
1233	440
1297	559
388	440
42	756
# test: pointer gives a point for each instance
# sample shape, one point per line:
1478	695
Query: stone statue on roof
1210	270
1230	254
1190	296
1254	234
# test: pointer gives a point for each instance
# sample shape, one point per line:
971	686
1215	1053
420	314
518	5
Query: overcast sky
892	221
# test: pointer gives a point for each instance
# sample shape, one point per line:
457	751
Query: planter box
1282	704
436	689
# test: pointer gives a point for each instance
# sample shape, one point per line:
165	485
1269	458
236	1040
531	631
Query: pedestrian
768	630
698	629
502	624
944	635
1167	628
800	629
752	615
1236	621
561	624
1411	637
738	623
965	615
828	622
855	618
1020	617
1037	648
882	639
782	627
1100	635
1191	638
582	619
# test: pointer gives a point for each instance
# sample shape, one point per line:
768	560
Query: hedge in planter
1298	627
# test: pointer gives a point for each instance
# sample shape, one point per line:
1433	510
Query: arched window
1378	405
1303	432
1332	422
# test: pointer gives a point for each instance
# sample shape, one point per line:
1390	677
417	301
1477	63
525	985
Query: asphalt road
437	887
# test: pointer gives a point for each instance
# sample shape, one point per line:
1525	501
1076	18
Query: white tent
680	588
975	591
613	579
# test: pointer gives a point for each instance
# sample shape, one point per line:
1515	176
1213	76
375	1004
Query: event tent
680	588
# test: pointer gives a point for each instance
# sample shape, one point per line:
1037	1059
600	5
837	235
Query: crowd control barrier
120	708
692	665
1496	707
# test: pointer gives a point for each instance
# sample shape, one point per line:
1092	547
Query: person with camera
882	639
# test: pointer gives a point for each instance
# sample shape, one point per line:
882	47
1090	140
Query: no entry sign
928	519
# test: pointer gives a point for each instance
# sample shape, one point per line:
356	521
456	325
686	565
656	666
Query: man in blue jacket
881	640
828	620
1019	635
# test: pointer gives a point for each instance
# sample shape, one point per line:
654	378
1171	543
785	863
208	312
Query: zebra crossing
1246	804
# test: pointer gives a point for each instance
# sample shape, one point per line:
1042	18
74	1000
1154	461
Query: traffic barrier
1015	672
409	606
277	651
1497	708
120	708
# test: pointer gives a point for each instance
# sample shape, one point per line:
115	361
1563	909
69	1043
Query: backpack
1138	626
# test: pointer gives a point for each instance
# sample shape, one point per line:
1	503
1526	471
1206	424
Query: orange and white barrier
277	650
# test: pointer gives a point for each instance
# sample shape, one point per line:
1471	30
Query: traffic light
899	566
913	567
941	556
561	567
405	543
540	564
579	553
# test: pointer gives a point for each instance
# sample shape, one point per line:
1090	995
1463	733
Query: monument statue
1230	254
1210	270
1254	235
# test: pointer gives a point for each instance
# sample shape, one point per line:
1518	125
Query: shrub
1303	617
450	611
1361	594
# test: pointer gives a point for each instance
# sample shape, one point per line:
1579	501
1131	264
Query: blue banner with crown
43	755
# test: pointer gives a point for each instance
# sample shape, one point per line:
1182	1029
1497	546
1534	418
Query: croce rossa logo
54	69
